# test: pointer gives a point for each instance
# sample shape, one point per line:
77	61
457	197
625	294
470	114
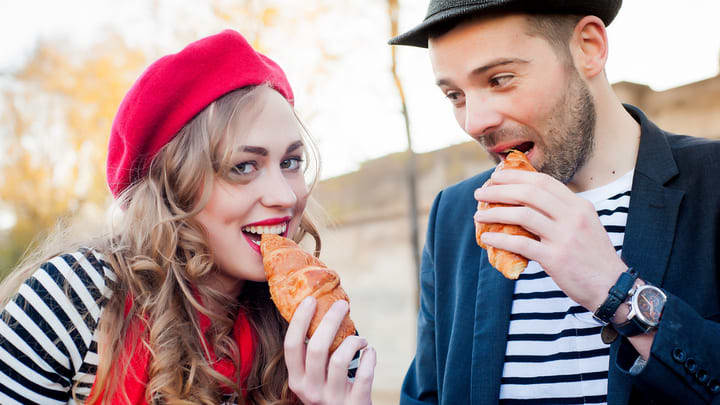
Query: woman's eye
245	168
292	163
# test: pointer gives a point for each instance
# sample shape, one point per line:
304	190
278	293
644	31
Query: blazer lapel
650	228
492	317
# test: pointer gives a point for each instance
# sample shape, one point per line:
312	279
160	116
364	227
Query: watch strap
616	296
631	327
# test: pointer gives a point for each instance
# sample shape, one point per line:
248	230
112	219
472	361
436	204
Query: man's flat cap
441	12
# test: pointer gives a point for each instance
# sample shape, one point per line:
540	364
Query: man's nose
481	117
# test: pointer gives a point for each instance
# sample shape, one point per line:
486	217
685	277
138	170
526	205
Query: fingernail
485	238
309	300
341	304
477	216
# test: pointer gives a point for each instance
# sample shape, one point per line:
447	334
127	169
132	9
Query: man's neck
617	138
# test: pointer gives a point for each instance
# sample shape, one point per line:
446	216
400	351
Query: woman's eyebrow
293	146
256	150
259	150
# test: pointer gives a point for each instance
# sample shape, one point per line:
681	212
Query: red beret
175	89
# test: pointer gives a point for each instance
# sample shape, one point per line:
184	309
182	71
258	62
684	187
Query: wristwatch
617	294
646	305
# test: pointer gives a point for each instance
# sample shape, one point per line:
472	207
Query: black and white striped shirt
554	354
48	331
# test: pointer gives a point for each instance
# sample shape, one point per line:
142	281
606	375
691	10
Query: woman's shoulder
48	326
83	267
80	279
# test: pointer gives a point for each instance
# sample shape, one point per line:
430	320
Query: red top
136	378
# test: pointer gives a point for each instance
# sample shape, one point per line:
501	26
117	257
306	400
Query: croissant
294	274
507	263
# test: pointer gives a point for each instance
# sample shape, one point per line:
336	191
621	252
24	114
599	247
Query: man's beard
571	134
570	138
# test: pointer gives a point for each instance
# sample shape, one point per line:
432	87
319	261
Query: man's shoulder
693	151
692	144
468	185
457	201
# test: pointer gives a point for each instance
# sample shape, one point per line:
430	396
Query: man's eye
292	163
500	81
244	168
455	97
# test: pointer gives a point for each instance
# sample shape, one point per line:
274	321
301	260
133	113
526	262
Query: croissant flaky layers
507	263
293	275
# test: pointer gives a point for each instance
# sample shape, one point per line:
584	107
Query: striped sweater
48	338
554	354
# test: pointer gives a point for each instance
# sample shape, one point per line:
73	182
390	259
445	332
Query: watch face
650	302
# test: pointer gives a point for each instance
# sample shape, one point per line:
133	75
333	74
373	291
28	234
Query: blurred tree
56	121
57	110
273	26
411	169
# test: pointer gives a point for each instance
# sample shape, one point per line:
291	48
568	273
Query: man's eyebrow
498	62
293	146
484	68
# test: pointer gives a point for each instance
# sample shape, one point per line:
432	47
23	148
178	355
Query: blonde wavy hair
161	258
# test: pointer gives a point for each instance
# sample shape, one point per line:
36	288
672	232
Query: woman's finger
318	347
340	362
295	338
362	387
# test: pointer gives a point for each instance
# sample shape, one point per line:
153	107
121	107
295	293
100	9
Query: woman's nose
278	191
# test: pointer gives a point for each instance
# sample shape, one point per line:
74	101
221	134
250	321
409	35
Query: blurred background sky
64	67
348	99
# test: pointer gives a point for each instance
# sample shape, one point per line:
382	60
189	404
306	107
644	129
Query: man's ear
589	46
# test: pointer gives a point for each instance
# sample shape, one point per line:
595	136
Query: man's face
512	90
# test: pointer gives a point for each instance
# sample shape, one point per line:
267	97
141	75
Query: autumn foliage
55	121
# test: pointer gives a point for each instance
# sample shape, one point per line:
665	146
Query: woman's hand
314	375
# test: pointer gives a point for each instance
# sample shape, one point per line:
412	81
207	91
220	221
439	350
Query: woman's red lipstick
270	221
254	241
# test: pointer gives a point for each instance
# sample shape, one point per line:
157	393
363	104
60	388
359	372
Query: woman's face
265	192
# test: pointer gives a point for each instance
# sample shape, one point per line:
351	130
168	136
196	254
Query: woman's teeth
259	230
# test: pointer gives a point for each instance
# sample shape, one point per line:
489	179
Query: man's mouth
255	232
524	147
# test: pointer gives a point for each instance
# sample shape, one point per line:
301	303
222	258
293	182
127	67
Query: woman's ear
589	46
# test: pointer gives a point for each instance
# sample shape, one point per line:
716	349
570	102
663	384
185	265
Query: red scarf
136	378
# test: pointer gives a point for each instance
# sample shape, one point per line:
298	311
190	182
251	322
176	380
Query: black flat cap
446	11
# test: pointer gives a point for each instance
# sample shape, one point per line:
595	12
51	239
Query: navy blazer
671	238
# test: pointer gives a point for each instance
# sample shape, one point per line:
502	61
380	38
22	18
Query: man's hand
574	248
